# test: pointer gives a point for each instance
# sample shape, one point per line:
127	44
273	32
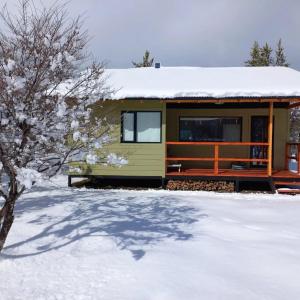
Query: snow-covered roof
198	82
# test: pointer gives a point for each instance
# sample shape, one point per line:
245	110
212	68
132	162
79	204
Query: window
128	127
148	127
212	129
141	127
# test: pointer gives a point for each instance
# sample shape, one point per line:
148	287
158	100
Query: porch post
298	157
216	159
270	139
287	154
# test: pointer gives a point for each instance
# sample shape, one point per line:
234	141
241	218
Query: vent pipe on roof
157	65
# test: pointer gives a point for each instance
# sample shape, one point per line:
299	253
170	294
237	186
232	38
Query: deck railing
216	158
292	152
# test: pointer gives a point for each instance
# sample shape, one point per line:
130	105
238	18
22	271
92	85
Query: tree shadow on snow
133	222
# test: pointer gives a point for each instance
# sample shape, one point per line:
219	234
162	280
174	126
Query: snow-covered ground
139	245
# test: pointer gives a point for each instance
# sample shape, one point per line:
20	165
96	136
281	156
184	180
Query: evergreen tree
280	56
262	56
266	58
147	61
255	56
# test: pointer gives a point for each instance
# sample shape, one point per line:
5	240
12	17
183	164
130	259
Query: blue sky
189	32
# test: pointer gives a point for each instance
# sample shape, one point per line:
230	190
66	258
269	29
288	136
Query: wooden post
69	181
298	157
270	139
166	162
216	160
287	154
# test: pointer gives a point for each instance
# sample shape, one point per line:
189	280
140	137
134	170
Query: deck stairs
285	186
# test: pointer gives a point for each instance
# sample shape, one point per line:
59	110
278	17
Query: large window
212	129
141	127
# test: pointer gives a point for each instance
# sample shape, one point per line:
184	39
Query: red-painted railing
216	159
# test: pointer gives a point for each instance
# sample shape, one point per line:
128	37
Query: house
202	123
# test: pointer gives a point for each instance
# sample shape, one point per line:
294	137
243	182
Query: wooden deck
229	173
242	175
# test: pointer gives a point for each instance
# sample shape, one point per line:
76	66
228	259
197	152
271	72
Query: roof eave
216	99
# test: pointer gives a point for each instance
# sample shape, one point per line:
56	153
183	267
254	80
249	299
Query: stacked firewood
200	185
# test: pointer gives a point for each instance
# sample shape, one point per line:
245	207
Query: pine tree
255	59
266	58
280	56
147	61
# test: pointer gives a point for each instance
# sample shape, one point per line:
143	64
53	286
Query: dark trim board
163	180
250	98
117	178
249	105
236	101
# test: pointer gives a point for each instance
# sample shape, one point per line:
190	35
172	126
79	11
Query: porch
292	153
234	160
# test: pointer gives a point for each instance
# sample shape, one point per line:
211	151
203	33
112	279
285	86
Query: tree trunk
7	211
6	219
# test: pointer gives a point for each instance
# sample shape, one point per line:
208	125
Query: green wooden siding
144	159
148	159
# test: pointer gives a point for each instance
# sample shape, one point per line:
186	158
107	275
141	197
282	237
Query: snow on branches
48	87
46	96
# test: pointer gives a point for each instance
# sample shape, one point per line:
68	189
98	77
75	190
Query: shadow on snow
133	222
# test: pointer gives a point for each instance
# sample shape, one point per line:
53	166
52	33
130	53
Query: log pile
200	185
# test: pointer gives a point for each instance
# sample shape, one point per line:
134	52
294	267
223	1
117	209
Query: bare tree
45	101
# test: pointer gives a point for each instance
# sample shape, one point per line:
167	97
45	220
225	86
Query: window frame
220	117
135	112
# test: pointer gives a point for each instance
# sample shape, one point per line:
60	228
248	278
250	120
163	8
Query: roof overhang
279	99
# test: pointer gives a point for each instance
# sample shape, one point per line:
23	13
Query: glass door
259	133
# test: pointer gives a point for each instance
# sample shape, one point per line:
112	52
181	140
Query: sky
208	33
